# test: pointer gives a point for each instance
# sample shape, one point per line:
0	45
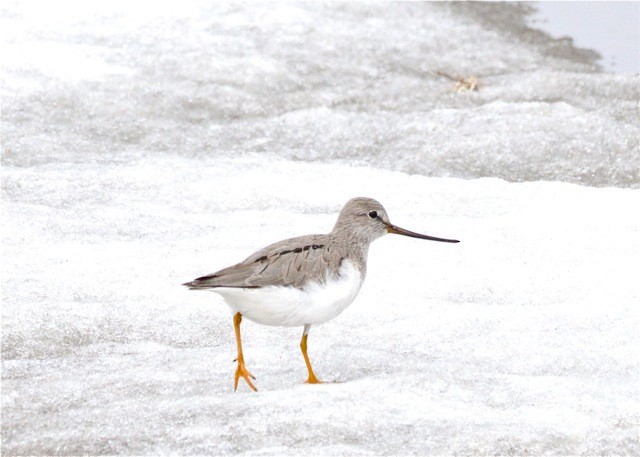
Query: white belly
291	307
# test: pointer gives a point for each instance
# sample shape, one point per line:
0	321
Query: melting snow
142	150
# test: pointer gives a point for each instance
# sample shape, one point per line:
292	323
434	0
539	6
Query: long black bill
400	231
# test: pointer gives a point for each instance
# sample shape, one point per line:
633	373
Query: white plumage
288	306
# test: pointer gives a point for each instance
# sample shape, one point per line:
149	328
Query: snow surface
143	147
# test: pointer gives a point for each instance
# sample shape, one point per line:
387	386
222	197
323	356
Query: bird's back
293	262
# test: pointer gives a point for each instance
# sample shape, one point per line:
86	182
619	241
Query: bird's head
366	219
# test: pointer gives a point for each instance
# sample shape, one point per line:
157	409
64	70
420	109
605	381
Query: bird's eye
373	214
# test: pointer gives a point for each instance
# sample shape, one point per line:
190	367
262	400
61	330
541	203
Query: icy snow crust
316	82
143	147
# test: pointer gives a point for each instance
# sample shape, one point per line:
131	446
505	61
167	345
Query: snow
143	148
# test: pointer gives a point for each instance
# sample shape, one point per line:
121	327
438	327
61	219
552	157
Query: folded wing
292	262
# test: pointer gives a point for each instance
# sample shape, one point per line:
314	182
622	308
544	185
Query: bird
303	281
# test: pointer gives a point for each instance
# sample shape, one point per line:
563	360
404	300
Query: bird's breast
314	303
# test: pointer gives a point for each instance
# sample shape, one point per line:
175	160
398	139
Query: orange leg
303	345
241	370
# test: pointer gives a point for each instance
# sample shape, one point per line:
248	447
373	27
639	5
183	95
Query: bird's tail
203	282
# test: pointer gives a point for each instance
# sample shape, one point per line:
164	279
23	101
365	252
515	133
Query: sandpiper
303	281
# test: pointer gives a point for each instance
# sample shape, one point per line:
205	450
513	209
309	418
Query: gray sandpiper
303	281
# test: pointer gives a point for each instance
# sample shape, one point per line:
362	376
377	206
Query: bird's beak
400	231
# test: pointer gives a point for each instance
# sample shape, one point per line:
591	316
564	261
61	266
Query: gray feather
296	261
291	262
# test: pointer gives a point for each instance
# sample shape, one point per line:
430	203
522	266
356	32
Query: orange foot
313	380
242	371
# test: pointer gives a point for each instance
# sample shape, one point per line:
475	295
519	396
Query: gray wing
291	262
